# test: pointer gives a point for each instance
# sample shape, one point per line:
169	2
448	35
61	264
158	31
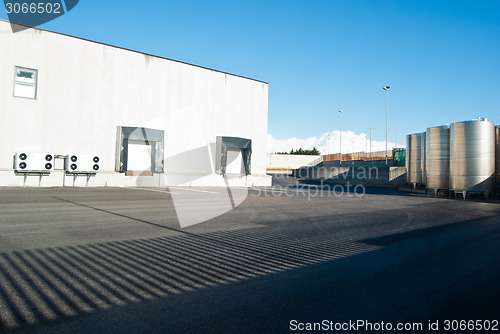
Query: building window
25	81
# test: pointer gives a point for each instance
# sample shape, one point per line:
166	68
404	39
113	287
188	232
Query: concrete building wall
367	175
86	90
291	161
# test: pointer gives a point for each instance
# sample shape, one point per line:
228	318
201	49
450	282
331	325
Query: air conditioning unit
81	164
26	162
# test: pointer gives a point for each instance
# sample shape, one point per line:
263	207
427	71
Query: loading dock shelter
235	152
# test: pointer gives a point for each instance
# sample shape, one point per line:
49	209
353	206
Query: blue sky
441	58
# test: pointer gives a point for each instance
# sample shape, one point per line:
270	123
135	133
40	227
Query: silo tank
414	158
423	147
437	160
497	155
472	157
408	159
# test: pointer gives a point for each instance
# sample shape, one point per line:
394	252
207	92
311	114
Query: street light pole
397	134
386	88
340	111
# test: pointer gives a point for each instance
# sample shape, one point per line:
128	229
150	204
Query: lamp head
340	111
386	88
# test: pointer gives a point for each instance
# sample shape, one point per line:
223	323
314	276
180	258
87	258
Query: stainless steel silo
437	159
472	157
408	159
423	147
497	155
414	159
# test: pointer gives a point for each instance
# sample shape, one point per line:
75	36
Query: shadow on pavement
253	280
49	285
257	280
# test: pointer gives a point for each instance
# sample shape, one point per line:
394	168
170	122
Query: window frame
17	82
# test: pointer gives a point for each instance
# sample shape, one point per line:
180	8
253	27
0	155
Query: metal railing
356	156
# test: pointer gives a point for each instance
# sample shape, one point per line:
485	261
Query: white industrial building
143	120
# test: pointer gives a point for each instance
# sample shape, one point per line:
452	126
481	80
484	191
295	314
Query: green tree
301	151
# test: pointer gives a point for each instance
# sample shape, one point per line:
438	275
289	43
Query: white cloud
328	143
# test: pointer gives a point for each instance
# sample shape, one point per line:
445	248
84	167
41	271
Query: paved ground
115	260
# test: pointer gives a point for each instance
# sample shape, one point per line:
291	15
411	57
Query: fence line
366	156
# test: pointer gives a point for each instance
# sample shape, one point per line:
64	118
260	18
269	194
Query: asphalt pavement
263	260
